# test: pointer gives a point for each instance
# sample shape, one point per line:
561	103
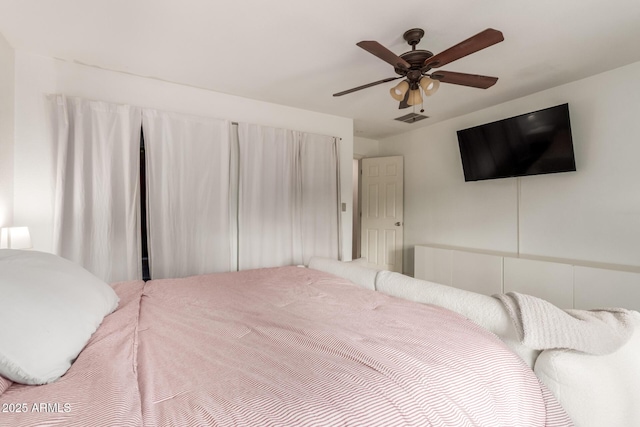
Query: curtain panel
97	185
288	197
187	167
320	192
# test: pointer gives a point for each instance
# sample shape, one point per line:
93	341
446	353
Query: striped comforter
284	347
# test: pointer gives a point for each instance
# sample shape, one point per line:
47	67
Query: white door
382	213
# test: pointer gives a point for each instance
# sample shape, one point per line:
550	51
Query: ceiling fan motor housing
416	58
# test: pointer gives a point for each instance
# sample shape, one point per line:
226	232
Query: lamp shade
414	97
429	86
15	238
398	91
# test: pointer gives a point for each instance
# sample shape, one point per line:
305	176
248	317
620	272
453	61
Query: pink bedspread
288	347
100	389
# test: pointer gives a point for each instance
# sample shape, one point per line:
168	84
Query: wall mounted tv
530	144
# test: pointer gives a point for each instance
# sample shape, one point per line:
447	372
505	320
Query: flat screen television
535	143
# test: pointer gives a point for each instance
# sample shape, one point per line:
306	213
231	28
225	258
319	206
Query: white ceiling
298	53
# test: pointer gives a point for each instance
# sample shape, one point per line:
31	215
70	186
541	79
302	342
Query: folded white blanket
542	325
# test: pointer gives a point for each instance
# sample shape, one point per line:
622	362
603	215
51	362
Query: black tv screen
530	144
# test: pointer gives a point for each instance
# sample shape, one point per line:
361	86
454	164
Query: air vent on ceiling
411	118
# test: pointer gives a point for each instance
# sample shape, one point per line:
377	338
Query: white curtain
288	197
320	207
97	186
187	164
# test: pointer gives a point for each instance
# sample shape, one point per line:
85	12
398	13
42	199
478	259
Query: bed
285	346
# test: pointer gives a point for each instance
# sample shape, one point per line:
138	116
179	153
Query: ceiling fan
414	66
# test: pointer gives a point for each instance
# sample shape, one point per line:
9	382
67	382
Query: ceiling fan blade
473	80
383	53
405	102
483	39
367	85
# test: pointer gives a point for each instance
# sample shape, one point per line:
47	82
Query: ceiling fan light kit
414	66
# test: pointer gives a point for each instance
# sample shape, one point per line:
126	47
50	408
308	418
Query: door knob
398	224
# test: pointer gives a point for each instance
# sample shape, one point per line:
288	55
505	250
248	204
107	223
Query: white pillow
50	309
353	271
596	390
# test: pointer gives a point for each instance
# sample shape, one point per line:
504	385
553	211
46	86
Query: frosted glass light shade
429	86
15	238
398	91
414	97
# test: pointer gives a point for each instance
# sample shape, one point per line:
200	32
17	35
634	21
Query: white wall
590	215
36	76
365	147
6	132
